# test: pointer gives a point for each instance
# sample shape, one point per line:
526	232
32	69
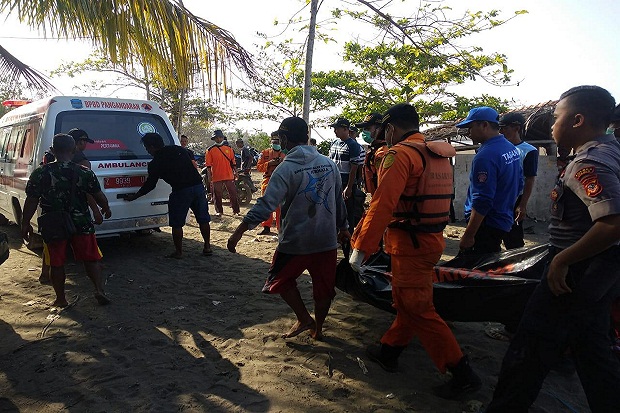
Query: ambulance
117	157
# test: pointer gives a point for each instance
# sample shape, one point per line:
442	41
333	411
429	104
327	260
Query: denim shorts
182	200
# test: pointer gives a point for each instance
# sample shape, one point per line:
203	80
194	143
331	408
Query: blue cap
483	113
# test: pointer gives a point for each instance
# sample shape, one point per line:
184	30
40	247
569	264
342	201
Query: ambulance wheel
17	211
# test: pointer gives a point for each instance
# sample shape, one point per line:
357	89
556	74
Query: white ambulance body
117	157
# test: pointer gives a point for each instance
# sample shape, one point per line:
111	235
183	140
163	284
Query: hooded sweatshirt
308	188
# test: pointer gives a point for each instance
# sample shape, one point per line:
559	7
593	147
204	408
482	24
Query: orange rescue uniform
372	162
263	166
412	266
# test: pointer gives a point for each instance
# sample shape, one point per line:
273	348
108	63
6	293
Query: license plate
123	181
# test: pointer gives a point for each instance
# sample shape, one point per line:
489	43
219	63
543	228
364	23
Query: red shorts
285	268
84	249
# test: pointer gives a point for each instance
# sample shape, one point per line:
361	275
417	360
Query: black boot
385	355
463	381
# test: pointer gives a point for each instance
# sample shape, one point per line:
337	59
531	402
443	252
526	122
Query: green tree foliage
279	88
323	146
9	91
415	59
259	140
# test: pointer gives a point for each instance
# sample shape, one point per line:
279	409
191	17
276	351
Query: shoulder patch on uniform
589	180
482	177
584	172
554	195
592	187
388	160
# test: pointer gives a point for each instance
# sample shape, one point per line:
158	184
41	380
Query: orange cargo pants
269	221
415	312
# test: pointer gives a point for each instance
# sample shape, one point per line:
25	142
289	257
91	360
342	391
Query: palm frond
173	42
12	69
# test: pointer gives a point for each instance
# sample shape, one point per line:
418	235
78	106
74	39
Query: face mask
219	143
285	151
276	147
610	131
366	136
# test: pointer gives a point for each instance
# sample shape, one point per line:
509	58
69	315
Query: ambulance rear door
120	161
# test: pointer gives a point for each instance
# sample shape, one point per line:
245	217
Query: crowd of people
318	204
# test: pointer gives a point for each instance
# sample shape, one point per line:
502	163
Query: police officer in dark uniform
571	306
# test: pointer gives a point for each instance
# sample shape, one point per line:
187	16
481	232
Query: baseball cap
79	135
400	111
370	119
512	118
482	113
295	129
344	122
217	134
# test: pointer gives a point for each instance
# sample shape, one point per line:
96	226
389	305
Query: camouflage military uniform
52	184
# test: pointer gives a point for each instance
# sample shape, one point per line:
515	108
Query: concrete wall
537	207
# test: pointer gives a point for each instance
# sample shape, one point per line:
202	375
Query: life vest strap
418	215
414	229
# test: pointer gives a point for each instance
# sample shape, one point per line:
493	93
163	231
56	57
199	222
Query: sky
556	45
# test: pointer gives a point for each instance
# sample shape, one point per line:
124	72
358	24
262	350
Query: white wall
537	207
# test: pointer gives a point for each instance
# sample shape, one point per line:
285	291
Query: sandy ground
197	335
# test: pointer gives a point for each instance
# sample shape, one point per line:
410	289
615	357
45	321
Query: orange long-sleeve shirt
372	164
263	162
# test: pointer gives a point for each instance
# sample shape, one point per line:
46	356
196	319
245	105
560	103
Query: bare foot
175	255
60	303
317	335
299	328
101	298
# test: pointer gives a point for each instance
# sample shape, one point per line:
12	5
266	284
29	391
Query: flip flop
498	334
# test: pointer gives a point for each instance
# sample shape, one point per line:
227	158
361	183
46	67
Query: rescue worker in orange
373	134
267	163
374	137
412	200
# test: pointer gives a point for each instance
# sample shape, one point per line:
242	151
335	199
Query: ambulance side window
26	152
13	146
4	138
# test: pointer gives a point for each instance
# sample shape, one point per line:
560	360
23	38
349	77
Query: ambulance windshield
116	134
